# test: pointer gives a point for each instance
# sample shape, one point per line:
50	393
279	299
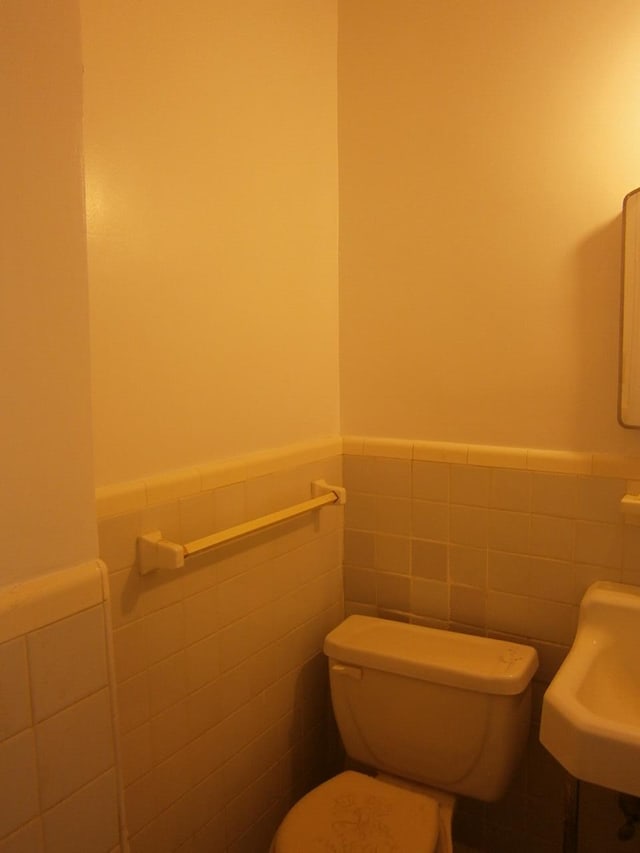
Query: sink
591	710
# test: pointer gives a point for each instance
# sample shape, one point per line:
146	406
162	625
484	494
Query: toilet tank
441	708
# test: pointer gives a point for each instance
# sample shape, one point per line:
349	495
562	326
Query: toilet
429	714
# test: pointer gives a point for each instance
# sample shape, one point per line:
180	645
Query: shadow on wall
597	290
317	753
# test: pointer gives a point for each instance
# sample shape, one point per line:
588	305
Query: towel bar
154	552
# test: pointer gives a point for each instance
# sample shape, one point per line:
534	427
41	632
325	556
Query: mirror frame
629	361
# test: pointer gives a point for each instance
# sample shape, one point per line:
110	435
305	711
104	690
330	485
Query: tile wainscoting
495	541
222	685
60	783
223	698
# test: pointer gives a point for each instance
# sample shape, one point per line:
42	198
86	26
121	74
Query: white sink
591	710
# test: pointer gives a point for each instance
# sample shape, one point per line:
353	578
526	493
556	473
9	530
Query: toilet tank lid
430	654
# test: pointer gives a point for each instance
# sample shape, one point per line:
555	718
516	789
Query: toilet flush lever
354	672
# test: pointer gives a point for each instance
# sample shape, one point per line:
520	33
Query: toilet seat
355	812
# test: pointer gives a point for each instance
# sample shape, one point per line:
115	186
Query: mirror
629	402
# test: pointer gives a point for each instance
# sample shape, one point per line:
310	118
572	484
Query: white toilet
432	714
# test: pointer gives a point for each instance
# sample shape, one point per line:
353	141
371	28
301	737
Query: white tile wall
221	682
67	661
500	541
223	708
15	699
58	780
27	839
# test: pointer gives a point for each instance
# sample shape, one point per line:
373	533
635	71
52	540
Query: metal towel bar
154	552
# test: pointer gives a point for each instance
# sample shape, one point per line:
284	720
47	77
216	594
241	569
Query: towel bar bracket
321	487
154	552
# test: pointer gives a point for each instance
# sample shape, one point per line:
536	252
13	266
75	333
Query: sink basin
591	710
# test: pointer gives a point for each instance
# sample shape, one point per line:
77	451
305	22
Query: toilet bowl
357	812
432	714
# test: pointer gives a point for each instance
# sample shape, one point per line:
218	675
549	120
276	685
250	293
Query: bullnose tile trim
491	456
172	485
440	451
388	448
47	598
560	462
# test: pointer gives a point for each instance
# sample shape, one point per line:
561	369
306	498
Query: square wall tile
169	731
230	505
393	592
358	548
599	498
197	516
117	537
552	621
156	591
393	477
600	544
137	757
510	573
245	592
167	682
15	699
430	481
430	599
430	520
469	605
130	649
202	662
163	517
509	531
360	511
507	613
133	702
140	805
553	580
204	708
67	661
631	548
552	537
206	799
74	746
360	585
27	839
510	490
469	485
429	560
359	474
125	590
393	515
201	615
268	493
171	779
392	554
86	822
554	494
19	801
468	566
165	632
245	637
469	525
212	837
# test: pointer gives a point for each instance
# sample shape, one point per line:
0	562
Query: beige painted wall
46	497
211	163
485	150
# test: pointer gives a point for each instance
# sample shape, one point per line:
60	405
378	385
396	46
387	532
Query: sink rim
590	744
